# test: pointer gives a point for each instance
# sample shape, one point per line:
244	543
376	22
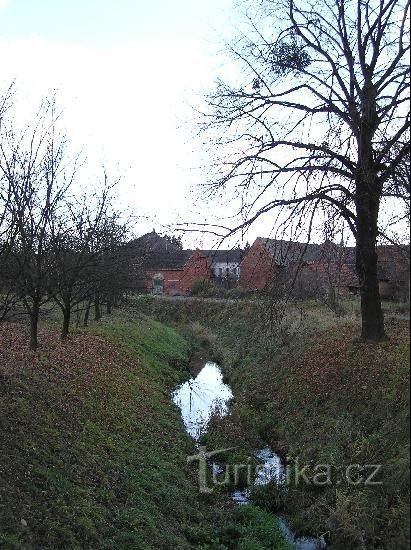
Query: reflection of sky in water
199	397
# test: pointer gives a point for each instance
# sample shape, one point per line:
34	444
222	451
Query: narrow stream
201	397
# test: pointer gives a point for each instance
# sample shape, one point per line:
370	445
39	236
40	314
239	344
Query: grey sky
126	72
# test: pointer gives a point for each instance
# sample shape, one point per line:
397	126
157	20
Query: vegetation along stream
199	399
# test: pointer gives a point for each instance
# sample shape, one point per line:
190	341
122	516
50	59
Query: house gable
258	268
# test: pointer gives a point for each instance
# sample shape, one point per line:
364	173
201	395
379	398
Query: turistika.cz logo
294	474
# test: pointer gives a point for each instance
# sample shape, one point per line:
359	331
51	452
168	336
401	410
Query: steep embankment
335	405
304	386
92	452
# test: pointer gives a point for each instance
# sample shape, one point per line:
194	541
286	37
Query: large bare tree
317	118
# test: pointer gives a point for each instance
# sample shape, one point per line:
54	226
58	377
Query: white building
225	264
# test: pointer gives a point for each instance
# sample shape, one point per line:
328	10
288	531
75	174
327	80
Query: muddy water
201	397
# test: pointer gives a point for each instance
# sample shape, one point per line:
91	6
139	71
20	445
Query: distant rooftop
153	242
287	252
162	252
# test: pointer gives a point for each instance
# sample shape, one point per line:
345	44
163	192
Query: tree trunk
97	309
34	321
87	314
66	321
367	203
371	311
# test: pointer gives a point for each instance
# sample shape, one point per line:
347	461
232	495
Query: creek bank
299	378
93	453
205	396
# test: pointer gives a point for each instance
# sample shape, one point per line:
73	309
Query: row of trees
56	245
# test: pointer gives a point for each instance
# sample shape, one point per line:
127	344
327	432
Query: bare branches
353	79
313	118
54	247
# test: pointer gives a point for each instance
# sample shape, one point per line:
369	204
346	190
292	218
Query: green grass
109	468
159	347
259	529
104	465
94	452
304	386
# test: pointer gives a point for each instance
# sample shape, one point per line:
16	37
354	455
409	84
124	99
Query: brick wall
394	271
171	280
257	271
320	277
180	281
196	269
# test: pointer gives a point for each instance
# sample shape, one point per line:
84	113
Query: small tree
72	259
112	270
89	263
33	166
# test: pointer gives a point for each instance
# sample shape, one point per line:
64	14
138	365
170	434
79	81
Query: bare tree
8	296
54	246
33	163
396	227
317	117
73	260
88	258
112	271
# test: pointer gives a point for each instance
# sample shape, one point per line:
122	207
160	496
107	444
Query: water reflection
270	469
200	397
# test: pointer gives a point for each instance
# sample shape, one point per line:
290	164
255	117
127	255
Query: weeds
304	386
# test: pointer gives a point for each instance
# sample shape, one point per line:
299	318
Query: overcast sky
126	72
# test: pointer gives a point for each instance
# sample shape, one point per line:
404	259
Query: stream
206	394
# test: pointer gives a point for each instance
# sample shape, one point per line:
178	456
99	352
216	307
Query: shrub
237	293
207	289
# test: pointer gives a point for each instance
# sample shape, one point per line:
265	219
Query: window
157	284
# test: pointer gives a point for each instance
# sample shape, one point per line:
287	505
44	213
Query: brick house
168	269
163	272
272	262
394	271
158	262
197	268
225	264
316	278
313	269
189	267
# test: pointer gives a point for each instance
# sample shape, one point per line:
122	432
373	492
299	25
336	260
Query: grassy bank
93	452
304	386
93	455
